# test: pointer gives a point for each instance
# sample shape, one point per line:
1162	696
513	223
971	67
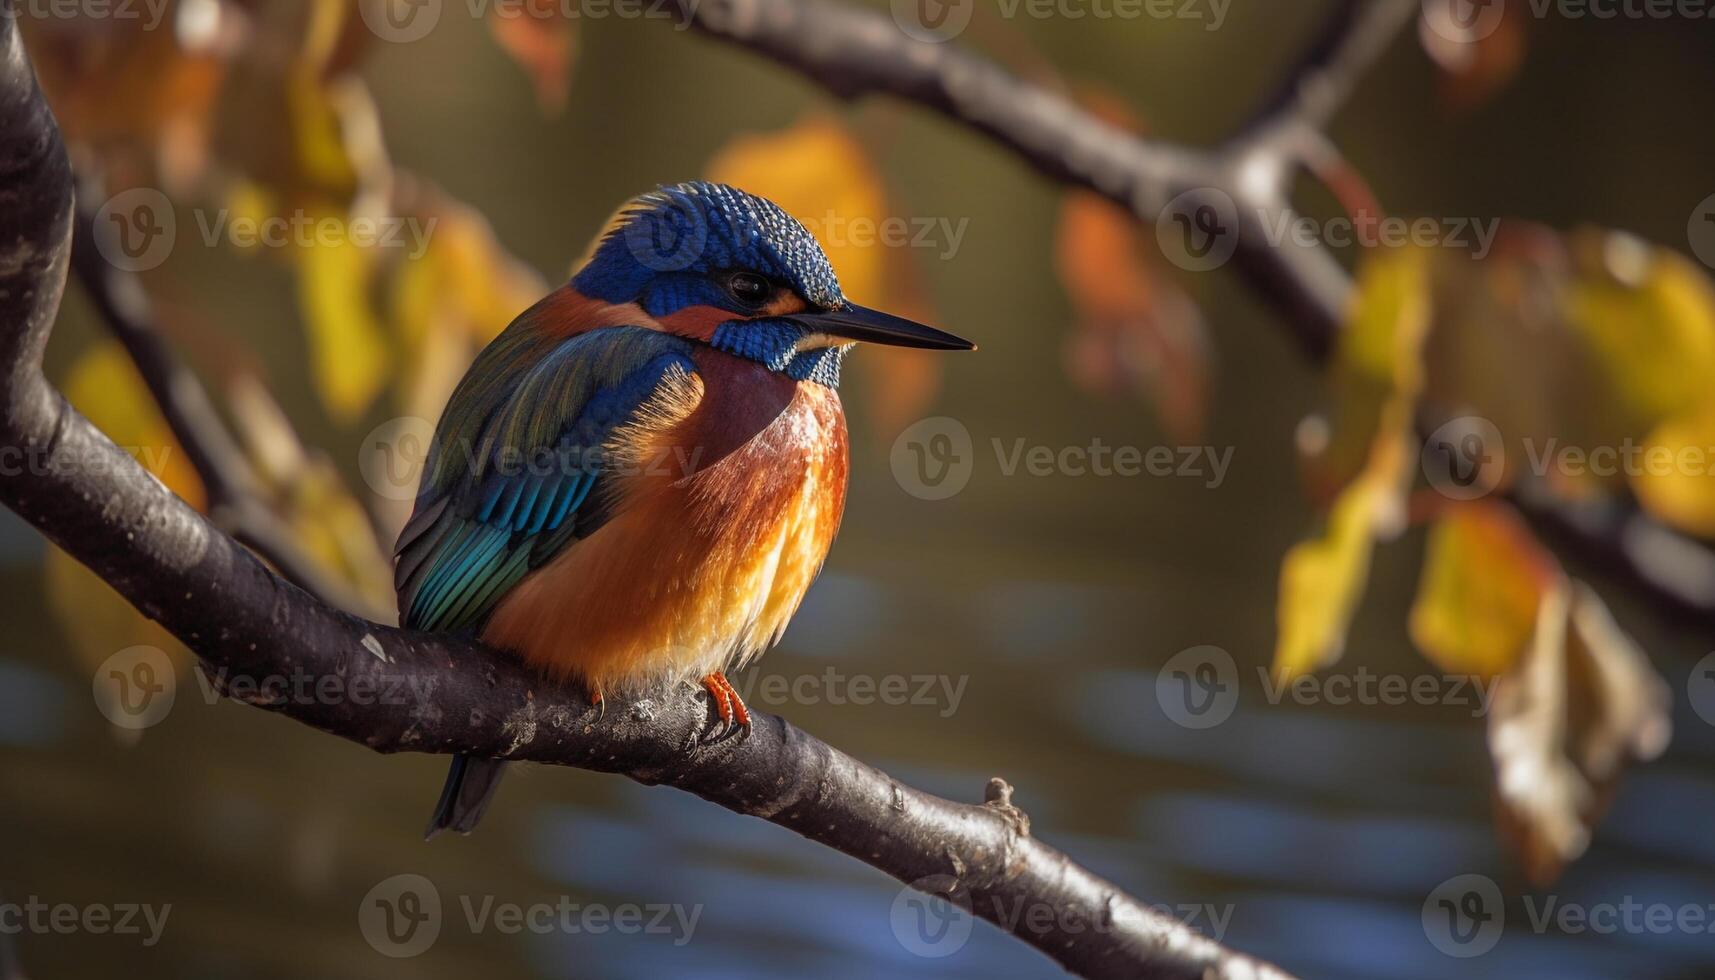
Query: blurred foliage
1592	338
1376	378
1559	343
1136	331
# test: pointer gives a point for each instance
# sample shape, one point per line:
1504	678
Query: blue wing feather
517	458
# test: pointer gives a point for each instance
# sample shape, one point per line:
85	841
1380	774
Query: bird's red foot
729	707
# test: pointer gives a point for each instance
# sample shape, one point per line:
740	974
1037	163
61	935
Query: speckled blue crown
700	227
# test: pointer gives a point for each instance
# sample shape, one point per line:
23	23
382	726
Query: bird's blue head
733	270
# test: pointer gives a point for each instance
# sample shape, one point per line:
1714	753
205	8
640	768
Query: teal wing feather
516	471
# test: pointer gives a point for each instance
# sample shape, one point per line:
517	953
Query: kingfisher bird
635	483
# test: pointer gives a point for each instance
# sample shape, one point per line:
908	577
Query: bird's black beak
873	326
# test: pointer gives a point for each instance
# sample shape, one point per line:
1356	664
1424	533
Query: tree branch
853	52
267	642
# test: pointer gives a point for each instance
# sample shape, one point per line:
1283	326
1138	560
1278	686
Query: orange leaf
1136	331
541	39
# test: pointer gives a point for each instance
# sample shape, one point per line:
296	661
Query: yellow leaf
1647	316
306	492
1482	584
443	304
319	143
1675	475
349	356
1322	579
1378	374
1379	360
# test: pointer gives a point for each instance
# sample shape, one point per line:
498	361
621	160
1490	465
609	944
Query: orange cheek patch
784	303
696	322
699	322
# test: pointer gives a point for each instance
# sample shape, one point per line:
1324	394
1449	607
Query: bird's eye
749	287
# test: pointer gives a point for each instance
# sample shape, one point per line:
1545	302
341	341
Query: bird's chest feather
726	500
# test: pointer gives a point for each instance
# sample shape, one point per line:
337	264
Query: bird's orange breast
725	498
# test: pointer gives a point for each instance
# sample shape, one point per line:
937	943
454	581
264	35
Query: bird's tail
470	785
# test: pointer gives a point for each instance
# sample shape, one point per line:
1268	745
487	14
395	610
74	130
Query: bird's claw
730	711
